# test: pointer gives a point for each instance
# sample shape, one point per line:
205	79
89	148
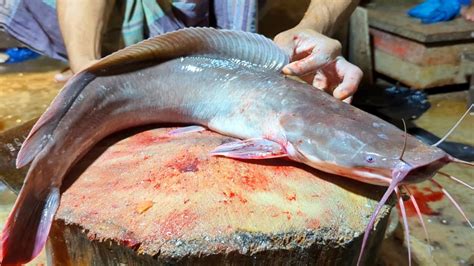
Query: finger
287	48
285	43
63	76
307	65
311	53
305	44
348	100
352	76
308	78
317	43
320	81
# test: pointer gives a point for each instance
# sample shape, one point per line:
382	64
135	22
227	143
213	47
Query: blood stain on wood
129	240
177	222
291	197
184	164
232	195
254	181
313	223
146	138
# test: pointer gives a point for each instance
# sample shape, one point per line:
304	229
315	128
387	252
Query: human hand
468	12
75	66
317	59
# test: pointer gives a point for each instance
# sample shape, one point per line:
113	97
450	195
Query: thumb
285	42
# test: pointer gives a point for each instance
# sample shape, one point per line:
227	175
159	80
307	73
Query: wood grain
152	198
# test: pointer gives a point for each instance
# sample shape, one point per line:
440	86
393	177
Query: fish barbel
227	81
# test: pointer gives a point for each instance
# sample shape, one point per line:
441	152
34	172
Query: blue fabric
432	11
17	55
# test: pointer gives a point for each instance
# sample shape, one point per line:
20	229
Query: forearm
82	23
325	16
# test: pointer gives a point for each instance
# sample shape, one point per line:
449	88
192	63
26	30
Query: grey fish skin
244	102
234	97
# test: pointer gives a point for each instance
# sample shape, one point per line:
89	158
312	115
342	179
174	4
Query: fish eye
369	159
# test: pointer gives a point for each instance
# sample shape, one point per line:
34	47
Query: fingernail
287	71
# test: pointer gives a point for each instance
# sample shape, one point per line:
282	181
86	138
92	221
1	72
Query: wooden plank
470	100
155	199
393	18
416	76
467	69
360	52
467	62
418	53
416	64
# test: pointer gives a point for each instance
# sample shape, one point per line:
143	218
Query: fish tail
28	225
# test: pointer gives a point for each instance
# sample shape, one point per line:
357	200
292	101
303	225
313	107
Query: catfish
227	81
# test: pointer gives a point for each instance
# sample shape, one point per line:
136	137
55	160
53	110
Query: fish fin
44	127
28	225
251	149
186	130
244	46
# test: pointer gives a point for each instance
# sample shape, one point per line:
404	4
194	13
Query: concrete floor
26	89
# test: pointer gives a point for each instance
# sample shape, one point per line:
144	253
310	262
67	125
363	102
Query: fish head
367	151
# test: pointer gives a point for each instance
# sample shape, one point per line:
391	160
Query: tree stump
151	198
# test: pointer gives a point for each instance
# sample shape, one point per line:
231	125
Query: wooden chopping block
151	198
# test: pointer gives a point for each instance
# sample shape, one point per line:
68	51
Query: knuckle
357	71
336	47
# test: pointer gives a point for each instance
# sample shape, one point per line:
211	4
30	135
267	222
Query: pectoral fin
251	149
185	130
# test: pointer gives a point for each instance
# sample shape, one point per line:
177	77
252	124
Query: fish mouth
423	172
402	173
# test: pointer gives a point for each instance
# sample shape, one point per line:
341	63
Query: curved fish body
227	81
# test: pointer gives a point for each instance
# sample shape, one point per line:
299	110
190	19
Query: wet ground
450	235
26	90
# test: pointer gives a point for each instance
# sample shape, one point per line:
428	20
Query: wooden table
419	55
